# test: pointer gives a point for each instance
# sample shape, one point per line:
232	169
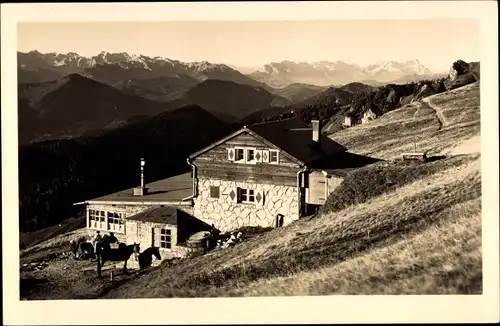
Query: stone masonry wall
226	214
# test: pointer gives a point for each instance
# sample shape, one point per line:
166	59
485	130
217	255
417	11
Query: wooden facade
217	164
320	186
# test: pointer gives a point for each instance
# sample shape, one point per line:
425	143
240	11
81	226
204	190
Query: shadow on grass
28	285
436	158
371	181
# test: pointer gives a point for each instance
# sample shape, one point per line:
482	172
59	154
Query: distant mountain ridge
327	73
75	105
111	68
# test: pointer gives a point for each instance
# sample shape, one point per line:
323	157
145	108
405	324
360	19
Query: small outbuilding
165	227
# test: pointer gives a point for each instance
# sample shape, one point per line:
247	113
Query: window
96	219
165	238
214	192
250	155
115	218
239	155
93	216
273	156
115	222
246	195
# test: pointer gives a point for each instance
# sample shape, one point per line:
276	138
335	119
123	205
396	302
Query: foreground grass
444	259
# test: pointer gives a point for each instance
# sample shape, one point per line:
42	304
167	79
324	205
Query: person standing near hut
112	238
97	240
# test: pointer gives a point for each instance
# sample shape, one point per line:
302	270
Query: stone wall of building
227	214
142	233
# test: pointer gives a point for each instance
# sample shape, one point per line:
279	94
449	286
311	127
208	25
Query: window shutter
259	198
238	195
156	237
234	195
258	156
230	154
265	156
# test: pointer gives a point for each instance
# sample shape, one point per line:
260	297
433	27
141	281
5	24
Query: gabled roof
297	144
163	215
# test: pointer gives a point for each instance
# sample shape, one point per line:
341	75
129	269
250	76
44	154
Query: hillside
230	101
333	104
322	106
396	131
297	93
73	105
55	174
417	232
162	89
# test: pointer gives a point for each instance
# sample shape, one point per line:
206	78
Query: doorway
280	218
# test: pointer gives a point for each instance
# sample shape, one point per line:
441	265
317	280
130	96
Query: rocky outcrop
462	73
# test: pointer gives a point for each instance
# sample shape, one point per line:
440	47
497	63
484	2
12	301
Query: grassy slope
396	131
420	235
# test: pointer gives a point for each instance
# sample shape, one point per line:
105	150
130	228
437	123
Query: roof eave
216	143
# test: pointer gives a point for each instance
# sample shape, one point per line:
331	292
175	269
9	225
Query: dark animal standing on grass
105	253
81	249
86	250
146	257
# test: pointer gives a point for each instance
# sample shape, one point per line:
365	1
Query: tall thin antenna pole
142	172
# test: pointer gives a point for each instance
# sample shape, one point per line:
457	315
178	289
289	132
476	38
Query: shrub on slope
368	182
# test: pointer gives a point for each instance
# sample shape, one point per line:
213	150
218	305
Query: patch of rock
41	264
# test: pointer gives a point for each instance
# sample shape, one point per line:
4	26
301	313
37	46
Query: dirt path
439	113
470	146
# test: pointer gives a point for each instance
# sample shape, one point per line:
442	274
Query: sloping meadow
416	127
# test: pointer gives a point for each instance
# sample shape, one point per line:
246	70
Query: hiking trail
439	113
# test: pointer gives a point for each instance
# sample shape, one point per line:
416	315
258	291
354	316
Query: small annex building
155	214
165	227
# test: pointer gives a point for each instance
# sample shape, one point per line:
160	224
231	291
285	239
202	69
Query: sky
435	43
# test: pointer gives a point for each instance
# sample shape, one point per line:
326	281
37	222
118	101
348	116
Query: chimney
316	130
142	190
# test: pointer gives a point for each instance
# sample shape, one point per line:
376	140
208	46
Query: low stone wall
227	214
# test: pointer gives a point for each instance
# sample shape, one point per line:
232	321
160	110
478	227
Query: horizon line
235	64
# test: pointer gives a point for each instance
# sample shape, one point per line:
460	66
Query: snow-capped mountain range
112	68
123	59
322	73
